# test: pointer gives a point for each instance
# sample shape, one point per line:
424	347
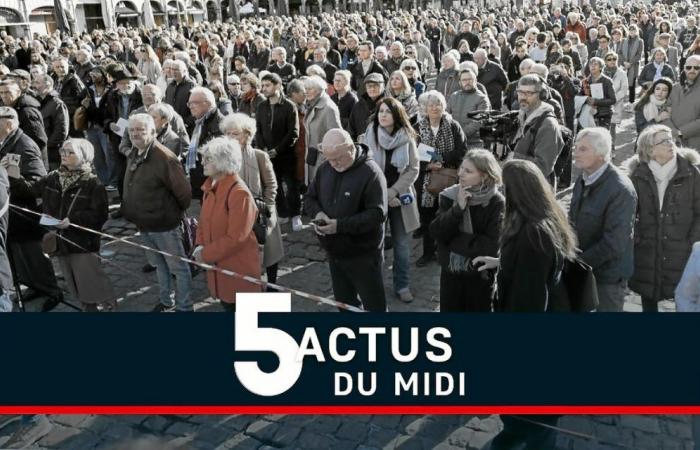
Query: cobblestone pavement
304	268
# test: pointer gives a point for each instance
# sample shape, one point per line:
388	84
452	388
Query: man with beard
685	105
539	137
123	101
464	101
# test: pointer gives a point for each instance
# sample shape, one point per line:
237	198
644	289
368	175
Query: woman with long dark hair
392	144
535	228
536	239
654	106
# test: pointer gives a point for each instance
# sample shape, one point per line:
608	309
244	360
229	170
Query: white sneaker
296	223
282	220
29	434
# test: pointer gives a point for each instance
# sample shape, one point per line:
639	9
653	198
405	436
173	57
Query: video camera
497	127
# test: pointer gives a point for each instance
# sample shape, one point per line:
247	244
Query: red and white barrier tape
306	295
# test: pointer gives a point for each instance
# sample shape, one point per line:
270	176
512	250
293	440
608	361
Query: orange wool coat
226	233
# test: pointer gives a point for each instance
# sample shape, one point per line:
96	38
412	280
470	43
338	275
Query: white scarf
663	175
651	109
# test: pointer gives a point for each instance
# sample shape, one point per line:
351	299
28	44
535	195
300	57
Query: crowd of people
365	125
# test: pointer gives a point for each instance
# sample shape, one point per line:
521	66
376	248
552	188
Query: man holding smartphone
347	199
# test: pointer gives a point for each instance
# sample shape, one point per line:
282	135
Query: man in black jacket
280	66
365	65
348	201
55	115
178	93
207	117
492	76
28	111
32	267
320	59
70	88
277	133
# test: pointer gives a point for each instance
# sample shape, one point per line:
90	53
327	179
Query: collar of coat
687	157
223	184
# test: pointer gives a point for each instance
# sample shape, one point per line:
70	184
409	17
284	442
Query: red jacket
226	232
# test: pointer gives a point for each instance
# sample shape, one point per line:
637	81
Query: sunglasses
696	68
611	59
409	68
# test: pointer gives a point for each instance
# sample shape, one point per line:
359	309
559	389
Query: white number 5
249	337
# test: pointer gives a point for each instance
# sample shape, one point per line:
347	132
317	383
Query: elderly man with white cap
347	199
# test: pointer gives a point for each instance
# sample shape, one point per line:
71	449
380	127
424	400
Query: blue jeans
402	249
5	302
170	242
103	154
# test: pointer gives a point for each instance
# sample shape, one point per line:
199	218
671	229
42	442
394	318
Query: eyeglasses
409	68
528	93
192	103
234	84
696	68
666	140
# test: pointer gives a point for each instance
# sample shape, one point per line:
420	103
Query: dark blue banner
421	359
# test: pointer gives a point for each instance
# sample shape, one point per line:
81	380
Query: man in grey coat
685	105
602	211
539	138
468	99
631	52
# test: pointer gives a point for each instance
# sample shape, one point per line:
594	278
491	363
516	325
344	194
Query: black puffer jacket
55	115
24	227
89	208
357	198
663	239
72	92
29	114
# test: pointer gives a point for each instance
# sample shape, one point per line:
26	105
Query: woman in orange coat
225	236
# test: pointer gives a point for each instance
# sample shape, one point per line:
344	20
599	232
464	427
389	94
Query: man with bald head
347	199
685	104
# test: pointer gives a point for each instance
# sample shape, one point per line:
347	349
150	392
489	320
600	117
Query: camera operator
539	138
466	100
561	80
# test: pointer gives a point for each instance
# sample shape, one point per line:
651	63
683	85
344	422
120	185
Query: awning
9	17
123	10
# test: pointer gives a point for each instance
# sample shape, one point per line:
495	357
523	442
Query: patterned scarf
442	142
68	178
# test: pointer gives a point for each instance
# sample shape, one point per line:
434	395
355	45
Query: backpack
562	165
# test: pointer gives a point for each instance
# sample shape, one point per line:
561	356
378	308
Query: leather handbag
49	242
440	179
580	284
80	119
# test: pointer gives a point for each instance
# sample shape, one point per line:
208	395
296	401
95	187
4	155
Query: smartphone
319	222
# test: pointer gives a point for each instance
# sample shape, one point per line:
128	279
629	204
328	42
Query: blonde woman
400	89
258	174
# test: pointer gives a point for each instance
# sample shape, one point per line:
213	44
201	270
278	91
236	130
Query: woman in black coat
74	195
468	225
667	181
535	241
